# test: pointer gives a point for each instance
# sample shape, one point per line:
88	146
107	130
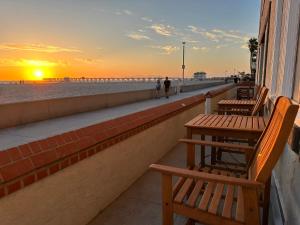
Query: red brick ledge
217	92
23	165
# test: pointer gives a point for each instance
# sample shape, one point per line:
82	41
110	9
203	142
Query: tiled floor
19	135
141	203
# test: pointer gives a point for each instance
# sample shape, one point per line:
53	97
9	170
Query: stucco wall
76	194
204	84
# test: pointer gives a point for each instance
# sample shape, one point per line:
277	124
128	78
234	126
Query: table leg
249	155
190	160
202	152
213	152
219	152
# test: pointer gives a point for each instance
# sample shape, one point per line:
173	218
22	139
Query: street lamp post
183	65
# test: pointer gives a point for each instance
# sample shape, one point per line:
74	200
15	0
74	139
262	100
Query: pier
120	79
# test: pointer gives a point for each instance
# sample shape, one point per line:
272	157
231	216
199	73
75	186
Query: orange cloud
36	48
27	62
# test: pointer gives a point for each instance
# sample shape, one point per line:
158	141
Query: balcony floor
141	203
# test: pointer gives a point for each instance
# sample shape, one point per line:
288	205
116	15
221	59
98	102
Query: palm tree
253	46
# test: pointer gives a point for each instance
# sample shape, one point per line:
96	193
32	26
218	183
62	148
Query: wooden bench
243	107
215	197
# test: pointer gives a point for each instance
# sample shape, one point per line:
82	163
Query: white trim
276	46
291	47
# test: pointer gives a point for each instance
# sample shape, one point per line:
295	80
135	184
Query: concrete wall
76	194
21	113
204	84
26	112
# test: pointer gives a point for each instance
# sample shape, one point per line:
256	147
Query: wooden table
234	126
231	103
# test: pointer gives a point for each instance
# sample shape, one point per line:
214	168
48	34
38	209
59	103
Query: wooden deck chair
216	197
258	107
257	92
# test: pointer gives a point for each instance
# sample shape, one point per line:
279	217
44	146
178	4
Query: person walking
158	87
167	84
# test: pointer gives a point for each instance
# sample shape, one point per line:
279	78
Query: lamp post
183	65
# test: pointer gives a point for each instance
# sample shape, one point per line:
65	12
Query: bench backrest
258	90
272	141
260	101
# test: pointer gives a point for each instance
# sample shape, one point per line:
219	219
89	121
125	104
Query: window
296	86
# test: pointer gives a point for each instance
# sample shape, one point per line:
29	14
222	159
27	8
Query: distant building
200	75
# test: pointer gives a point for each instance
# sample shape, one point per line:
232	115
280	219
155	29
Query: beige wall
26	112
76	194
204	84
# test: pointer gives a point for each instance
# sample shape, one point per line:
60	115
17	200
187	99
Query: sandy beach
10	93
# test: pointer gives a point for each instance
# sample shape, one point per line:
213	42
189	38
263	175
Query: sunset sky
59	38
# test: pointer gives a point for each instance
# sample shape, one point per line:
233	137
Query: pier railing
123	79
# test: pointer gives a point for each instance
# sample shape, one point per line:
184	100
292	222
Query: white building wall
282	47
275	51
285	209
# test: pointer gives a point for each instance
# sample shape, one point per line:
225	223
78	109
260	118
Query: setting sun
38	74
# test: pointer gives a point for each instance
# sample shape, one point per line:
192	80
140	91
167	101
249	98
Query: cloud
123	12
127	12
217	35
167	49
28	62
164	30
197	30
147	19
36	48
138	37
231	35
191	41
196	48
89	61
209	35
221	46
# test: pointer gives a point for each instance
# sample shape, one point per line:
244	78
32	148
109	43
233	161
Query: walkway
15	136
141	203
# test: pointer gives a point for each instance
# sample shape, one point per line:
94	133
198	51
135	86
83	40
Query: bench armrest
218	144
174	171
